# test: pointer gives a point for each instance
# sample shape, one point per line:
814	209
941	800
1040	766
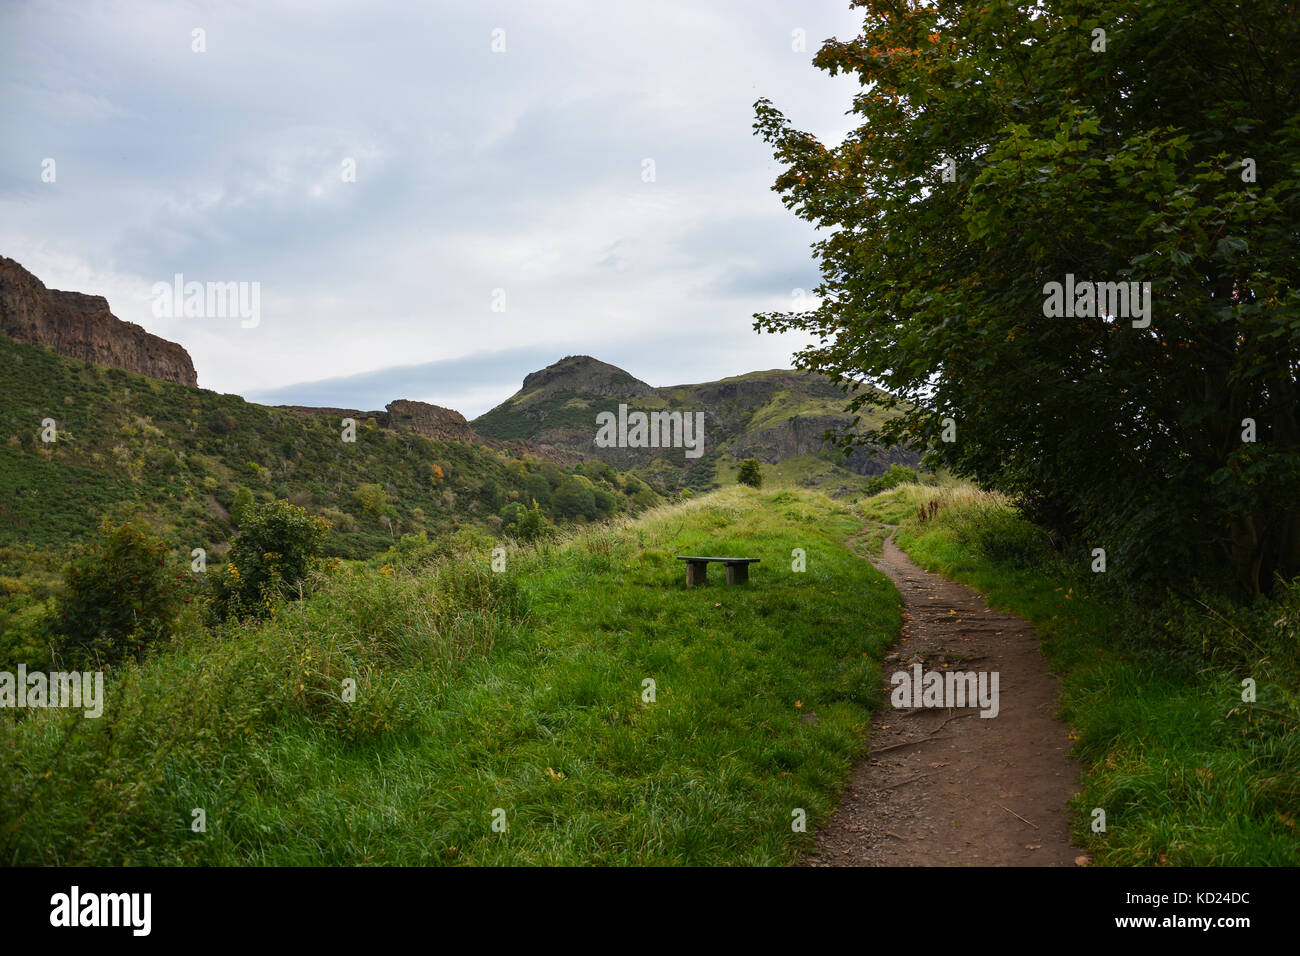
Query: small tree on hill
119	596
372	499
243	501
750	474
277	545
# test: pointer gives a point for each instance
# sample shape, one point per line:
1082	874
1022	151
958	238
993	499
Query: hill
178	456
778	417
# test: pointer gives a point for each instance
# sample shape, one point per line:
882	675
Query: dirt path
946	787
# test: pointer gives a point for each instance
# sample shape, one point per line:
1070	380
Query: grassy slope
1187	774
520	691
127	443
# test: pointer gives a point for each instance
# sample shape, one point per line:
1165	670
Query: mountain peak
582	373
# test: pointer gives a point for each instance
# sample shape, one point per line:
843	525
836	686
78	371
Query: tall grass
516	698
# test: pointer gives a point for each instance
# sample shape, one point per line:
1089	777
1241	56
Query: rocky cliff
438	423
82	327
432	421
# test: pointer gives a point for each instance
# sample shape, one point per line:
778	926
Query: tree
895	476
1006	146
277	545
119	596
538	488
526	524
750	474
372	499
575	497
243	501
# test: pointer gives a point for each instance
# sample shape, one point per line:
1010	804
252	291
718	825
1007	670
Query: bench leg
695	572
737	573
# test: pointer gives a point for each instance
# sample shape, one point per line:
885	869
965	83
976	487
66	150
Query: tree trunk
1244	553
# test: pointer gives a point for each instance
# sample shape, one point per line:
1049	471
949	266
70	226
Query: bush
119	596
526	524
25	632
895	476
574	497
750	474
538	488
277	545
372	499
243	501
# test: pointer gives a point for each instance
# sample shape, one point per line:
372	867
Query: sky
431	199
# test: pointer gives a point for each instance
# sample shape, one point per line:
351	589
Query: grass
519	697
803	471
1188	773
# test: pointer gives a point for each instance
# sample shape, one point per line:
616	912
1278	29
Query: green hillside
774	416
178	457
582	706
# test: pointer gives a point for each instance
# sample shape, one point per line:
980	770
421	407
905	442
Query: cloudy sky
594	187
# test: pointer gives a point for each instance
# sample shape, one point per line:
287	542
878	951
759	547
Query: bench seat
697	567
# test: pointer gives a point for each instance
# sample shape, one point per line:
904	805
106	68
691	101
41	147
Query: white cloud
475	171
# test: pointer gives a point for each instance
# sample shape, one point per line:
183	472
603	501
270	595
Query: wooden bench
737	569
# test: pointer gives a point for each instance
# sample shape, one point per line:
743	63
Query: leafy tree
371	498
575	497
1004	146
606	501
277	545
243	501
119	596
526	524
538	488
895	476
750	474
598	470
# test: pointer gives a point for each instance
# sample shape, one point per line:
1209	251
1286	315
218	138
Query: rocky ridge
82	327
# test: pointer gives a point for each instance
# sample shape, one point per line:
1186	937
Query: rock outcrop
82	327
437	423
432	421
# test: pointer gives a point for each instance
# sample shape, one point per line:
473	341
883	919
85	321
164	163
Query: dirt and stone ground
946	787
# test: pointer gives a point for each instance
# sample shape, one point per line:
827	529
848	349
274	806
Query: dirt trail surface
946	787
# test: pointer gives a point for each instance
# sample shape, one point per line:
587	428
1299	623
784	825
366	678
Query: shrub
575	497
750	474
119	596
895	476
243	501
277	545
526	524
372	499
25	632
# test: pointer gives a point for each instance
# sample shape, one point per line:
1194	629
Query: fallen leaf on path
1082	860
942	763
